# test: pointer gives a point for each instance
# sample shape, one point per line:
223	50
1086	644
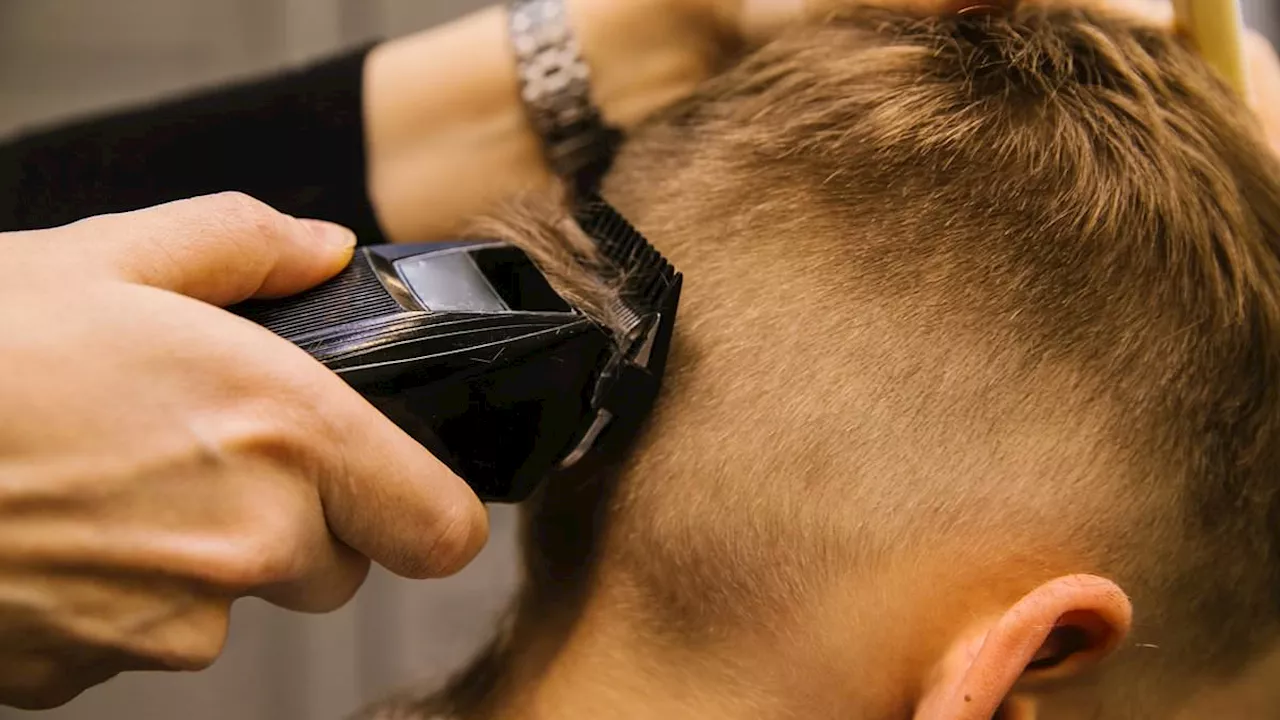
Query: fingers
283	550
44	683
1157	12
331	574
1264	73
379	491
326	484
382	494
255	526
942	7
762	19
221	249
395	503
89	627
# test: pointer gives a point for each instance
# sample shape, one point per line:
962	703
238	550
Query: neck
593	680
607	665
605	671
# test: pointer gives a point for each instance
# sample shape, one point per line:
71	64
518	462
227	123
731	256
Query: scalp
957	279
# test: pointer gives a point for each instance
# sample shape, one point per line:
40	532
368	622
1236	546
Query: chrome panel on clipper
468	348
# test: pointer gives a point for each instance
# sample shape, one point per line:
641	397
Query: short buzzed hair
995	291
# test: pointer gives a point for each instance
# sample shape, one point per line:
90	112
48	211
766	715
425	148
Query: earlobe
1057	630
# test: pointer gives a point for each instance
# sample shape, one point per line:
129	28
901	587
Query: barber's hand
160	457
1264	79
652	53
758	20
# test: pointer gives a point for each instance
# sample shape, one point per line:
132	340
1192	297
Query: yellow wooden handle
1217	29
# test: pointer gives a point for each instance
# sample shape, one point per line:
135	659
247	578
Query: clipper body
467	347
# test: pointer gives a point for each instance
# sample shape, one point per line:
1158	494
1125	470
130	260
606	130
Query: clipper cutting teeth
645	273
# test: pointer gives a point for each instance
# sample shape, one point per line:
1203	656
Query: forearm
446	133
294	140
425	133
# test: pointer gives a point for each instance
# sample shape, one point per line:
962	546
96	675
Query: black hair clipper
466	346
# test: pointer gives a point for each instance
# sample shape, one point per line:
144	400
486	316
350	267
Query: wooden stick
1216	27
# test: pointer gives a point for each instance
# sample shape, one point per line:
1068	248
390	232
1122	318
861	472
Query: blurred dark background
66	57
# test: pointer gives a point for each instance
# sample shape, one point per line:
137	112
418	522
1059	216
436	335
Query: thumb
389	499
221	249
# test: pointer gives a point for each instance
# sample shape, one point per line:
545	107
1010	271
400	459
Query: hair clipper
467	347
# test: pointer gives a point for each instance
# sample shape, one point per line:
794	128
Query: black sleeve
294	141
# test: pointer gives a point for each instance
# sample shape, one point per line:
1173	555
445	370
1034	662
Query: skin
917	659
899	651
442	152
164	458
1264	74
466	144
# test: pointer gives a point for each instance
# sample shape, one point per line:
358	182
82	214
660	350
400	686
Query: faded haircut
998	288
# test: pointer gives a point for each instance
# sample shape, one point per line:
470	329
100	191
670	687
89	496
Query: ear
1057	630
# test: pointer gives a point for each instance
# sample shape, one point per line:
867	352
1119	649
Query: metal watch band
555	84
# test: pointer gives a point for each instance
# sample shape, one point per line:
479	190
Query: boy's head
971	397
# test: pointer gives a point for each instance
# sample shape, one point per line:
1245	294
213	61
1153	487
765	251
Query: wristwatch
555	85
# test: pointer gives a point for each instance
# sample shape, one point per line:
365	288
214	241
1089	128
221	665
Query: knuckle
40	684
245	565
201	651
196	644
242	225
276	454
271	430
243	211
455	540
263	551
242	218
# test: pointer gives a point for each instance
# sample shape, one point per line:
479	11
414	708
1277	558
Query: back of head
970	302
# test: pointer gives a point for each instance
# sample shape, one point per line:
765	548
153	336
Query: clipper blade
646	276
646	306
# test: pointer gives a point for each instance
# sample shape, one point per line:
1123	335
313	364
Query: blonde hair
1037	250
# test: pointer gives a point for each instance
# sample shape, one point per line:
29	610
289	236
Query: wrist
645	55
446	133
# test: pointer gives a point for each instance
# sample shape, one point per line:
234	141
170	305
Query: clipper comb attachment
649	295
645	275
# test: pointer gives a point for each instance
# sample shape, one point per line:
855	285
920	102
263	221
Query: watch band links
555	86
